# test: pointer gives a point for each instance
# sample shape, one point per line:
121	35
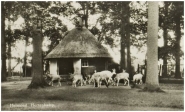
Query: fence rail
169	73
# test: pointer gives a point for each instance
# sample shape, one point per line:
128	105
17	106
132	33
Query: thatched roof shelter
79	43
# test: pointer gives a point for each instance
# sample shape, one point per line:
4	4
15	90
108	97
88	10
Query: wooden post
160	70
77	66
53	67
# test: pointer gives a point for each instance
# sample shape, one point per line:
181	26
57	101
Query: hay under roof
79	44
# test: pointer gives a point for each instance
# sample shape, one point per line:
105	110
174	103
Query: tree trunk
152	82
122	63
177	43
165	66
9	58
165	36
9	45
122	32
37	68
128	39
85	8
3	44
86	16
25	57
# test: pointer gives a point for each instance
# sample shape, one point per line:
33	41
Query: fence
170	70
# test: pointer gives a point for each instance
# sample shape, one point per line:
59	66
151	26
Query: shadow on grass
143	88
158	90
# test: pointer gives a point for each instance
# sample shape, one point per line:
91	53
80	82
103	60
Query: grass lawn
16	96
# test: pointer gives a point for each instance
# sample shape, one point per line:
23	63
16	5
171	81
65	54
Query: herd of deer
97	78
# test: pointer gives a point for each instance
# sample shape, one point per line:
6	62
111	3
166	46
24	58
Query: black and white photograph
92	55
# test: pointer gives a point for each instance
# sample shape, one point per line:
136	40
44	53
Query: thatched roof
79	44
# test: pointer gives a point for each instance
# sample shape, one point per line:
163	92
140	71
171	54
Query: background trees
168	17
9	34
117	15
163	21
120	26
179	6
